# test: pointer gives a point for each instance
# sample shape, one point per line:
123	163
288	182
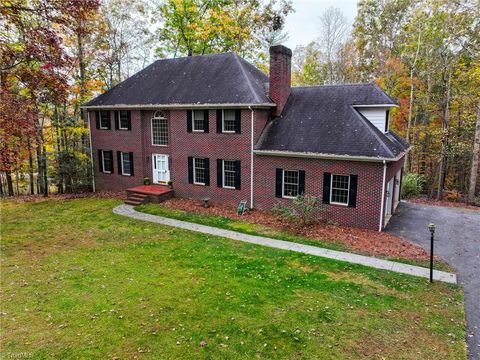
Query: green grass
235	225
80	282
260	230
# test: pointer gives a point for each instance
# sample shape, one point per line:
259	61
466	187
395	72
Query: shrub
304	210
146	181
452	195
412	185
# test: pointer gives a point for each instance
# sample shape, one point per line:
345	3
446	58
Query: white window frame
223	123
194	172
193	121
160	117
283	184
100	120
103	162
223	175
119	120
331	190
121	162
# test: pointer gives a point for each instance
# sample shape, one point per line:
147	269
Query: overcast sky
302	25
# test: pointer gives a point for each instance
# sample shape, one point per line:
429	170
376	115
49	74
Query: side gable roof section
322	121
222	79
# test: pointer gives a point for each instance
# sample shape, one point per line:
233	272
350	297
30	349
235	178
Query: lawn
244	226
80	282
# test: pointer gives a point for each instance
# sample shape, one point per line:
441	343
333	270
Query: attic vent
378	116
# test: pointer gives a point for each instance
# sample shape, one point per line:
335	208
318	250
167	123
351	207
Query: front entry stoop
145	194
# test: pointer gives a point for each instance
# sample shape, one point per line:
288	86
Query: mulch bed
359	240
429	201
92	195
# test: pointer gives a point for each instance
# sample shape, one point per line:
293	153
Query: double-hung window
229	172
339	189
199	171
228	121
107	161
126	163
104	120
124	120
159	130
290	183
198	120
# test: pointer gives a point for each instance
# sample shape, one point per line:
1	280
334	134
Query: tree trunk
17	185
475	159
45	175
8	175
409	121
81	64
30	168
410	104
40	184
445	141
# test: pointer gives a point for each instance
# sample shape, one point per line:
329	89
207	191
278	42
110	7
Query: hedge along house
215	126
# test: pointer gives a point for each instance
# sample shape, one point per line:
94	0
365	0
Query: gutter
91	151
327	156
376	106
380	225
177	106
251	156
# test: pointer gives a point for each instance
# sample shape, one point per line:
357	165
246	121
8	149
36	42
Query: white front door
161	171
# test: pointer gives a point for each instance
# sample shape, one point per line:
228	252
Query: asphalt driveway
457	238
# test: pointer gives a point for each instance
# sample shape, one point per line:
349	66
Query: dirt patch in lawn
360	240
428	201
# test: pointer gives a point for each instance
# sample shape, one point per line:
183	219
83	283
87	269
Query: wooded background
56	54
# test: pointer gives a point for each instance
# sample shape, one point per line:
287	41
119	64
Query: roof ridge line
249	82
332	85
368	123
383	93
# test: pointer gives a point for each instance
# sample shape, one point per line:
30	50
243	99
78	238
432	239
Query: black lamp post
431	227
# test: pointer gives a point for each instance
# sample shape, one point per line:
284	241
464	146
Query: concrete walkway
129	211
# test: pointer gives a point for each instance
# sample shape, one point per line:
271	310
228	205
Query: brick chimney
280	76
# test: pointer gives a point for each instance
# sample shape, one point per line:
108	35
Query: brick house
217	127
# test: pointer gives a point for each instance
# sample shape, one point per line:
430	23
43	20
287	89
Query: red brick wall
181	145
117	140
280	76
366	214
233	147
214	146
148	148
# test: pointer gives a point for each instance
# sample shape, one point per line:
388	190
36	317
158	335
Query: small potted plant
146	181
170	184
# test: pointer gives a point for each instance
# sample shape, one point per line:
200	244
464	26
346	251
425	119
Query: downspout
91	151
380	225
251	156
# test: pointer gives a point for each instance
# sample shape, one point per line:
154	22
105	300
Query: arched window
159	129
159	114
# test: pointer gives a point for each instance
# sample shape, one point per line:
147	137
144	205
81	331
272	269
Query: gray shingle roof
322	120
207	79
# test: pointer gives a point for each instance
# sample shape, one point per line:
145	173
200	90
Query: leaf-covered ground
80	282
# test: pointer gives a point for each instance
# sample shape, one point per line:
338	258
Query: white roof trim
326	156
176	106
377	105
